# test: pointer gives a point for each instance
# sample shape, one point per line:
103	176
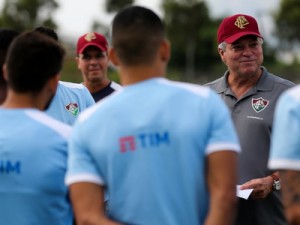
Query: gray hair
223	44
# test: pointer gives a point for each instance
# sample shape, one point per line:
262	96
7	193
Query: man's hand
261	187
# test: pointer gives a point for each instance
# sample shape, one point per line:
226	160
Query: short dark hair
6	37
33	59
47	31
137	32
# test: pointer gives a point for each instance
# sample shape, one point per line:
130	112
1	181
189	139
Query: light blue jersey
33	158
147	144
285	144
70	99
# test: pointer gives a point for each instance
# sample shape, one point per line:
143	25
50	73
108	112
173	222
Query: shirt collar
264	83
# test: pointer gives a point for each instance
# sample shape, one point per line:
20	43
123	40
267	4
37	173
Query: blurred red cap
237	26
92	39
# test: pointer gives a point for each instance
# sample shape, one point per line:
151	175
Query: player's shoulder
188	88
58	127
91	110
73	89
108	101
71	85
115	85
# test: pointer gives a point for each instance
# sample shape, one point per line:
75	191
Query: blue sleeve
285	142
222	132
81	166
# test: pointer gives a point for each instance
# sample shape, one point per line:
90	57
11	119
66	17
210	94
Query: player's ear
53	83
4	70
164	50
113	56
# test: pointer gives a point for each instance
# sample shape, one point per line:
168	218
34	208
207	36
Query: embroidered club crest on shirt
72	108
259	104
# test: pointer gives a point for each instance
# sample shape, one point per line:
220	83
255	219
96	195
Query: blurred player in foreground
156	169
6	37
285	151
33	145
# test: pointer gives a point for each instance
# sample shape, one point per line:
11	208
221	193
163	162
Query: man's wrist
276	182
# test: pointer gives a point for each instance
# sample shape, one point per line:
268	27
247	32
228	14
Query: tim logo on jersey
144	140
10	167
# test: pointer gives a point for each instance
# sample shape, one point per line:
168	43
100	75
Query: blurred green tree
26	14
287	24
192	34
112	6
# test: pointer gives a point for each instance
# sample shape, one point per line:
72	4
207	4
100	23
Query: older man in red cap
92	60
251	93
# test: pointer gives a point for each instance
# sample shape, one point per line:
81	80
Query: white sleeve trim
84	177
115	86
222	146
71	85
278	164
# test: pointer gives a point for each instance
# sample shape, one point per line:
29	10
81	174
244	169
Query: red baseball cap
237	26
92	39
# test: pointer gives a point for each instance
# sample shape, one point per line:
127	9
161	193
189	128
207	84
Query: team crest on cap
241	22
90	36
72	108
259	104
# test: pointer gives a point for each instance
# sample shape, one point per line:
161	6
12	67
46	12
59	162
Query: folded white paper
243	193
